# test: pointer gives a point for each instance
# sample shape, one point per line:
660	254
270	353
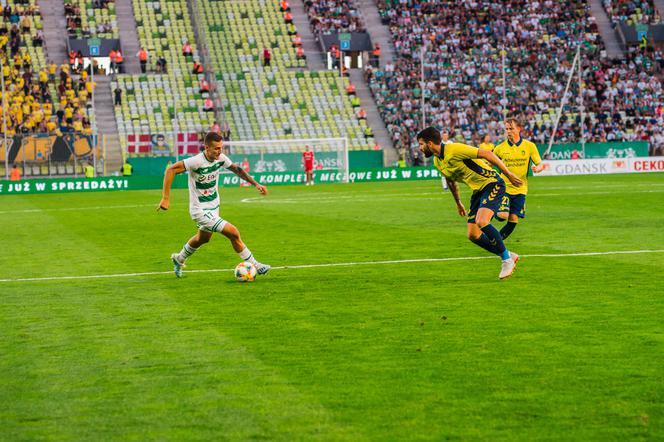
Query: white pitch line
322	198
338	264
613	192
354	196
67	209
413	196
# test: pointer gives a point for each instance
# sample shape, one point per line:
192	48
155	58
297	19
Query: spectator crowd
631	11
91	19
464	47
332	16
39	99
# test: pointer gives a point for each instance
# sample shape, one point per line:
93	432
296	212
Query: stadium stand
275	101
330	16
238	33
631	12
275	105
463	72
151	101
91	19
42	98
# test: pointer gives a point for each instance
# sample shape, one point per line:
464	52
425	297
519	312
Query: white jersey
203	174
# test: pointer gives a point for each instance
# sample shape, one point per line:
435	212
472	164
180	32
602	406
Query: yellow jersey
517	158
459	162
487	146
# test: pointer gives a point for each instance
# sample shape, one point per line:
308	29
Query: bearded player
460	162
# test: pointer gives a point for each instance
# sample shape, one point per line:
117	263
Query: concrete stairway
106	124
374	119
128	35
606	31
55	30
312	48
379	32
659	5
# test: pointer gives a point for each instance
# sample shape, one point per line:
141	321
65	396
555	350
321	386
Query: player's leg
491	198
444	184
504	210
517	210
233	234
475	234
189	248
508	228
509	259
483	222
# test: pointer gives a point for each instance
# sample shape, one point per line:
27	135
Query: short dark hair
514	119
212	137
430	134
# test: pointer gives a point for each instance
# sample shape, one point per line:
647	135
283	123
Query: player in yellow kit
460	162
486	143
517	154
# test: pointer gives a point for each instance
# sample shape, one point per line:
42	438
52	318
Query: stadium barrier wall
603	166
100	184
618	149
270	162
372	159
553	168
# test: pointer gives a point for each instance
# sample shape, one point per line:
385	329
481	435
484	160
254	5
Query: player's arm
454	190
538	166
237	170
169	175
493	159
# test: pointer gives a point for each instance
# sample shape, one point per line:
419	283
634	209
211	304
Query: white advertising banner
651	164
602	166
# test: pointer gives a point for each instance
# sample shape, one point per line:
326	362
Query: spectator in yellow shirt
69	114
52	70
38	116
27	60
43	78
26	23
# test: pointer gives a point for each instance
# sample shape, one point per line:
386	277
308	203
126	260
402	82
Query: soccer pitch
418	340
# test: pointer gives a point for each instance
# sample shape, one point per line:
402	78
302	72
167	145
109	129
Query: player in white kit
204	201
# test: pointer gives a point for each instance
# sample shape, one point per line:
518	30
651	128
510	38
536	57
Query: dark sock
496	241
507	229
483	241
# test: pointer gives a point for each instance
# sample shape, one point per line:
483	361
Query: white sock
186	252
245	255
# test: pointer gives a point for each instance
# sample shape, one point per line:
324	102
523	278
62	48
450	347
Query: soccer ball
245	272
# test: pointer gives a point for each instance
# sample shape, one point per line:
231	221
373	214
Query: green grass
569	348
